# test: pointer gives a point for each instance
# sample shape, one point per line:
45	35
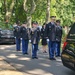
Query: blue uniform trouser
58	48
18	42
34	50
24	46
51	45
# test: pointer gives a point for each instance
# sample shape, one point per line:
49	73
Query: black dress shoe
58	56
34	57
52	59
26	53
18	50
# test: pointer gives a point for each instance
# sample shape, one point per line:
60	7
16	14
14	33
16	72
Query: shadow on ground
41	66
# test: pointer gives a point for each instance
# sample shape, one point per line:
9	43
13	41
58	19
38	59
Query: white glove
21	38
30	41
47	40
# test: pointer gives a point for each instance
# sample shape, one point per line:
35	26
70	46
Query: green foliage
40	12
0	4
62	9
65	11
4	25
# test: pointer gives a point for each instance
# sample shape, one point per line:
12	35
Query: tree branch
12	5
9	12
48	11
33	6
24	5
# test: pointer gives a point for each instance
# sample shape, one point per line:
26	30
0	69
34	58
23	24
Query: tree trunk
29	19
9	11
29	11
48	11
6	9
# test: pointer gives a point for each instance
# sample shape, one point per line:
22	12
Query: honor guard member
58	37
51	34
35	36
25	38
17	35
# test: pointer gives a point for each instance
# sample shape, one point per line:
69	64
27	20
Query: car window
71	34
7	31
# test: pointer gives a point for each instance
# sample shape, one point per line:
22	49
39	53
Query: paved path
28	66
7	69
